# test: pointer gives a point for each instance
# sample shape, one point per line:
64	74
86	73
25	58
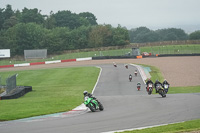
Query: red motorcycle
138	87
150	88
135	73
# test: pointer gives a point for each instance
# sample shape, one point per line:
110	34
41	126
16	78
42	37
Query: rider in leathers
148	82
157	82
165	82
85	93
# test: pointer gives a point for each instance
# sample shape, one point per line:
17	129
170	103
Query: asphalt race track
125	108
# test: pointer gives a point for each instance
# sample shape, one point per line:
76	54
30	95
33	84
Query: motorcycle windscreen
166	86
150	85
86	98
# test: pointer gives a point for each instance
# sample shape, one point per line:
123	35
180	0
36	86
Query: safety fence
8	86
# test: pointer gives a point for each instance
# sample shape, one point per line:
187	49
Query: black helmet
85	92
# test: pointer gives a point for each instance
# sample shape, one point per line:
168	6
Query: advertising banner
4	53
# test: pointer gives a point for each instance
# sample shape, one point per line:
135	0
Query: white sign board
4	53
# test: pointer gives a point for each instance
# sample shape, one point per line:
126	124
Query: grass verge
193	125
54	90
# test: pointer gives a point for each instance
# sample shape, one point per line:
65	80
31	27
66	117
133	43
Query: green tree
137	35
195	35
79	37
1	18
24	36
67	19
50	21
90	17
120	36
5	14
100	35
172	34
8	12
10	22
31	15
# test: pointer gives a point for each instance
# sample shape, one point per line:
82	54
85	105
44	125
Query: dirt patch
179	71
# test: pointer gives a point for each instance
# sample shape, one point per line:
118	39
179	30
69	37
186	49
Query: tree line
143	35
60	31
64	30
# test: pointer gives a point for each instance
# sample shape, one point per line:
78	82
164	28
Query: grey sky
153	14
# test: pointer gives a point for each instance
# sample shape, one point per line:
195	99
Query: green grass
189	89
71	56
54	90
172	49
167	49
155	73
193	125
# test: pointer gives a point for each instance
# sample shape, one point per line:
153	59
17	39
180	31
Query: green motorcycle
93	104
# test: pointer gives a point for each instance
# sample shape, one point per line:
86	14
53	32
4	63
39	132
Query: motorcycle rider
157	82
148	82
135	72
138	84
85	93
165	82
126	65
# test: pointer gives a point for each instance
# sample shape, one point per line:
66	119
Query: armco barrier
112	57
166	55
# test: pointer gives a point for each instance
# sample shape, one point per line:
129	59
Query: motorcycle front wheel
101	108
92	108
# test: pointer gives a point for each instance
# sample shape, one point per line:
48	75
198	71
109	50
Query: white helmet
85	92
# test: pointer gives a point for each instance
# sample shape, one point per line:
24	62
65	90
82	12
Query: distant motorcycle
126	66
150	88
135	73
160	90
114	64
130	77
93	104
138	86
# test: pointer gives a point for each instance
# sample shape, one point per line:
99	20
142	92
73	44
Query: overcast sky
153	14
